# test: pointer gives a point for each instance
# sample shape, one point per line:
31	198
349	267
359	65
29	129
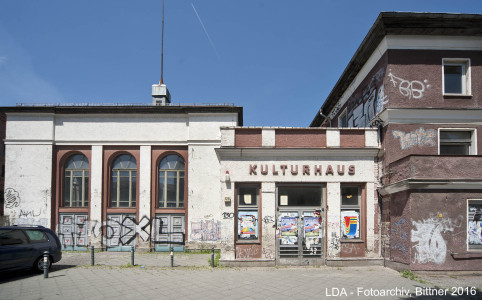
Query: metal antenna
162	46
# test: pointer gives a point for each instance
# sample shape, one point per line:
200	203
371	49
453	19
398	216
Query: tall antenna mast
162	46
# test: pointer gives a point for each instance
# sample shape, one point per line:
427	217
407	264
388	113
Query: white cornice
431	184
431	116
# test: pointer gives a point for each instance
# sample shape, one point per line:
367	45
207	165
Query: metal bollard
212	257
46	264
172	257
92	255
132	255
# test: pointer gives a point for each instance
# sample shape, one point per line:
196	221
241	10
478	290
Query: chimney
160	94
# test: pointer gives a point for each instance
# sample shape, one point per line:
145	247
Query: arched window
171	181
123	182
76	182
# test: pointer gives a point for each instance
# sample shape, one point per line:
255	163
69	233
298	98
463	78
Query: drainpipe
324	116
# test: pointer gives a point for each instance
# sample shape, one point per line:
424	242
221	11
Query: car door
15	250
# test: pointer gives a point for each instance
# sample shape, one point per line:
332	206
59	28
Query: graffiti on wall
430	245
12	198
399	236
419	137
205	230
247	252
411	89
362	108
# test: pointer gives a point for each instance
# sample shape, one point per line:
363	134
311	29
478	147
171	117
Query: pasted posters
248	224
474	225
289	226
312	226
350	224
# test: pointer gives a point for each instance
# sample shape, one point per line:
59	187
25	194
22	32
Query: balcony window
456	142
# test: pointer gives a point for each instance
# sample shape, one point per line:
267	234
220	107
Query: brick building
417	77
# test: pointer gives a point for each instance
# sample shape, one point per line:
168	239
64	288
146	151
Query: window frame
240	208
478	247
178	188
340	118
85	197
131	183
473	140
466	75
358	207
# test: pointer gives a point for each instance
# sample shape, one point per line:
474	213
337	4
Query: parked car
22	247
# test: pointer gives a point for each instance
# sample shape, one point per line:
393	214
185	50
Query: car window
12	237
36	236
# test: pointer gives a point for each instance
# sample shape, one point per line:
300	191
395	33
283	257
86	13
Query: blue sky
278	59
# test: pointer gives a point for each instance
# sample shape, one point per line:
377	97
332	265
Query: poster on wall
474	234
312	226
289	240
350	227
248	225
289	226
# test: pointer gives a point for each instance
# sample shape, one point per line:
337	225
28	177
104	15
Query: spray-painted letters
411	89
419	137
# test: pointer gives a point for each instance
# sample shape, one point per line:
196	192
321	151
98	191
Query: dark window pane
247	195
456	136
36	236
454	149
12	237
299	196
124	189
67	190
161	189
76	190
349	195
181	192
453	79
133	191
113	192
86	191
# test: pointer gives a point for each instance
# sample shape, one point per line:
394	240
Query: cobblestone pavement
192	278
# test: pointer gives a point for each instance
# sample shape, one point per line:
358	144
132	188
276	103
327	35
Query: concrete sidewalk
151	278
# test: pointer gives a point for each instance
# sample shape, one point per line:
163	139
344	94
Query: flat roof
125	109
399	23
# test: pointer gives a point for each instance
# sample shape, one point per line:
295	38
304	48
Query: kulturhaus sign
318	170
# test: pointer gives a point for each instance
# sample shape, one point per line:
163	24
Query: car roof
23	227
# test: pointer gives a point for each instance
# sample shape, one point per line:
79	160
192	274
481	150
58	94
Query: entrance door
169	232
73	231
121	232
300	238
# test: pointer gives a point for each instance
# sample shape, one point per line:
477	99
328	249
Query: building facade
299	196
114	177
417	78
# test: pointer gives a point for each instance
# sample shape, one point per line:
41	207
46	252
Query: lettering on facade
304	170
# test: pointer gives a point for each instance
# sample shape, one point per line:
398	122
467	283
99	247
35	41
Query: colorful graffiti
419	137
205	230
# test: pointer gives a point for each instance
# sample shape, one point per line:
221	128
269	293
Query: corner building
416	77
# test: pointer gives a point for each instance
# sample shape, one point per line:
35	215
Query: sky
279	59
